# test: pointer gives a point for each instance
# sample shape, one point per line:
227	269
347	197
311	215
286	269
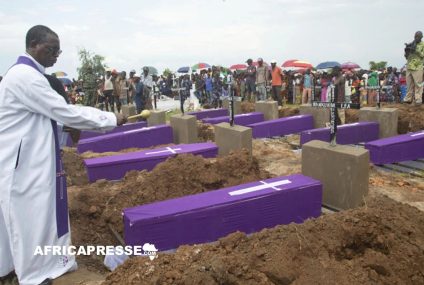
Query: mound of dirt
381	243
205	132
247	107
94	206
73	164
288	111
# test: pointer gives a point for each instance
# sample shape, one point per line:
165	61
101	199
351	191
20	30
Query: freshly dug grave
95	205
411	117
380	243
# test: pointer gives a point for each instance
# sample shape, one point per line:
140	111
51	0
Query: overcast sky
131	34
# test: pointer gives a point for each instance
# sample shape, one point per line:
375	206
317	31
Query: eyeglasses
54	51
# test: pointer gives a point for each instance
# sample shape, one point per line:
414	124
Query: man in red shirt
277	82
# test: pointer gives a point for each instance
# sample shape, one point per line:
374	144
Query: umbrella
65	81
183	69
152	70
297	64
240	66
327	64
350	65
287	63
60	74
200	65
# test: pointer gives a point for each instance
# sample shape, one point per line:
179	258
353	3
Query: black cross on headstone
155	93
231	103
333	113
179	89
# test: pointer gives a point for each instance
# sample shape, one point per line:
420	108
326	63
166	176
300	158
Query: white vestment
28	171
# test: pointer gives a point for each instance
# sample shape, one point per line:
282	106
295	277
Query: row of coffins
248	207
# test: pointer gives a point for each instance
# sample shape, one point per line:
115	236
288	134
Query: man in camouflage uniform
414	54
89	85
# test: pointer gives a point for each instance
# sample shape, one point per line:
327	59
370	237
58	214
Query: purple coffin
141	138
396	149
283	126
114	167
346	134
208	216
241	119
211	113
123	128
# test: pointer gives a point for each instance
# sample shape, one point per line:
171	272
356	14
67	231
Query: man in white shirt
33	198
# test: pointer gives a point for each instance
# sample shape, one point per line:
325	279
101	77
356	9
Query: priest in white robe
33	200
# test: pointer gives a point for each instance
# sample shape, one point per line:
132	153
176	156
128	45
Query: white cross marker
168	149
264	185
139	130
416	135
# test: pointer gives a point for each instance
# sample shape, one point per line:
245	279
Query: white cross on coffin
168	149
419	134
139	130
264	185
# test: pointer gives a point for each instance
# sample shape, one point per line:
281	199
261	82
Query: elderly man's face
46	52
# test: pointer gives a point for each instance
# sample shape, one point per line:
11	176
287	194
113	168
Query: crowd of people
258	81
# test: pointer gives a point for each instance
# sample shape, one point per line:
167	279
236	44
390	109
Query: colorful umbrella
152	70
200	65
60	74
297	64
184	69
327	64
65	81
240	66
350	65
288	63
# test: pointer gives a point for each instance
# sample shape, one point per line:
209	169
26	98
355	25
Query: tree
166	72
377	65
89	59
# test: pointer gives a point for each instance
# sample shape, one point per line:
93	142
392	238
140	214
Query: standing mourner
208	88
261	80
33	197
147	81
307	87
414	53
138	94
122	88
250	80
277	82
108	87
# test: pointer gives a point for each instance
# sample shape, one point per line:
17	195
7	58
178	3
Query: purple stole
61	191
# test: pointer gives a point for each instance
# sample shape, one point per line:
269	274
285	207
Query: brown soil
247	107
93	206
205	132
381	243
288	111
351	116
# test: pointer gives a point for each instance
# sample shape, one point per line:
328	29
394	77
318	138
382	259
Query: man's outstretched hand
120	119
